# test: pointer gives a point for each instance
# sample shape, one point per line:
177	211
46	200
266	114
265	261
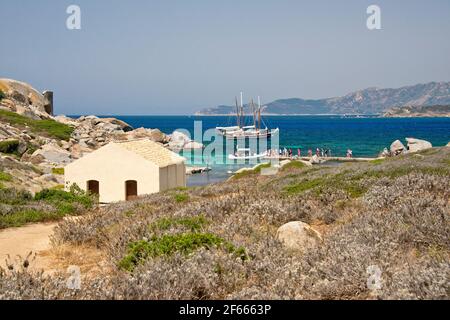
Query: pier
325	159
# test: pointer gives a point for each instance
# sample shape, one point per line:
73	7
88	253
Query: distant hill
367	101
418	111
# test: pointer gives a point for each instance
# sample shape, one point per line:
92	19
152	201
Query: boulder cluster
413	145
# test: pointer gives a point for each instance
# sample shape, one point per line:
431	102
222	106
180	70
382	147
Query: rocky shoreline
32	158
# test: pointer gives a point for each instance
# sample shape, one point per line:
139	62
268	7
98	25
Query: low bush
190	223
58	171
181	197
2	95
9	146
58	196
46	205
4	176
166	245
20	218
293	165
14	196
48	127
256	170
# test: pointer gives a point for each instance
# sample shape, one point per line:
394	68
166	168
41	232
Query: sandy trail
20	241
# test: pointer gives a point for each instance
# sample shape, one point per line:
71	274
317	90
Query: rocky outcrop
181	141
27	176
298	236
23	99
397	148
52	154
415	145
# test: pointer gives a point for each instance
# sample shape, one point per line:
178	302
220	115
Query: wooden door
93	187
131	191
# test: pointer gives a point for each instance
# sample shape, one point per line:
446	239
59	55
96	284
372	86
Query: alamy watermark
74	280
374	280
73	22
374	20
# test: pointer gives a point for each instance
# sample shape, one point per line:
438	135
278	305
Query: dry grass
398	220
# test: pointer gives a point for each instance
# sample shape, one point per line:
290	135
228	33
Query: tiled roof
152	151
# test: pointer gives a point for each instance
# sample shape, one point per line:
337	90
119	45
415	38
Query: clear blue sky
175	57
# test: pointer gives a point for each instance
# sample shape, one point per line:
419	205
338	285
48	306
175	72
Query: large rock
193	145
415	145
178	140
397	147
23	99
77	151
297	235
66	120
121	124
52	153
314	159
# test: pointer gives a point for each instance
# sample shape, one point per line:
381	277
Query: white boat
245	154
240	131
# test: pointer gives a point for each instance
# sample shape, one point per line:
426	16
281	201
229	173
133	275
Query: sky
147	57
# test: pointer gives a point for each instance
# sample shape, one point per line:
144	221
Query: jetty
324	159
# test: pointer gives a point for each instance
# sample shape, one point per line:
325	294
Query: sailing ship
241	130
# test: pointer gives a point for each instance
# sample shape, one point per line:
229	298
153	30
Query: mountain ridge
371	100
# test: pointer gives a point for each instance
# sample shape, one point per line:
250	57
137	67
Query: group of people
290	153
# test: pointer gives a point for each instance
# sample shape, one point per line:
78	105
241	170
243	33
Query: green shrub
256	170
181	197
376	161
13	196
20	218
53	128
2	95
63	198
4	176
304	186
9	146
293	165
50	128
166	245
58	171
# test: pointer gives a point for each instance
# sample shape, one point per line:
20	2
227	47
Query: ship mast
254	113
259	113
242	122
237	113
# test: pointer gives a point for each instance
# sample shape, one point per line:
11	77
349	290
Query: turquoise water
366	136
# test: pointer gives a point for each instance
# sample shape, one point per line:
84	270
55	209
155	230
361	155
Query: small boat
245	154
240	131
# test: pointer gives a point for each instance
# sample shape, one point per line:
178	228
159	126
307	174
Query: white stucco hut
123	170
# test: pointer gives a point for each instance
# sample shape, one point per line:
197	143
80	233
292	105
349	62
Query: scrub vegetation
48	128
220	242
18	207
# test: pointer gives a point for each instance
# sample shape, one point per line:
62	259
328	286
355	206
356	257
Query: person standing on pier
299	153
309	153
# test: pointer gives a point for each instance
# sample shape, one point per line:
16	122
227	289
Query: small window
93	187
131	190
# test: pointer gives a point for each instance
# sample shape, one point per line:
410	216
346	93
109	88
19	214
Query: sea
366	136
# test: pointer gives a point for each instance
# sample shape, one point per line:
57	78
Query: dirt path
20	241
36	238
